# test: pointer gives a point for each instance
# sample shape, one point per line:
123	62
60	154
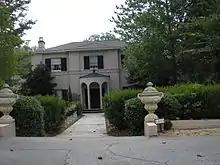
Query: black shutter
63	64
100	62
48	63
86	62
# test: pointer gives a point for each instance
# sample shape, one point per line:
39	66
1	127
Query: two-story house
88	69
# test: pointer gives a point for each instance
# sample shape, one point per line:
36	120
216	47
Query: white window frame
55	62
93	62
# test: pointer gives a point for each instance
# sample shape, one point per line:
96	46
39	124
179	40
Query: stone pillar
7	100
89	100
100	91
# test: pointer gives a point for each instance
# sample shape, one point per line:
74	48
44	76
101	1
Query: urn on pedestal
7	100
150	97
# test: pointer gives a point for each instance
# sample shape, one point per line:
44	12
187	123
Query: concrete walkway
90	125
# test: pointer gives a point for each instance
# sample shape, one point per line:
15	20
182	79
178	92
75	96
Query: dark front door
95	98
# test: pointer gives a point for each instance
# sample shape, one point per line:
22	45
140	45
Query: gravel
195	132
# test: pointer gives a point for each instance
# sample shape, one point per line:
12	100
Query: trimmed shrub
189	101
54	109
182	89
134	116
29	117
135	113
114	106
169	107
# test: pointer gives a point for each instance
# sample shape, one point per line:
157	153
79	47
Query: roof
86	46
94	74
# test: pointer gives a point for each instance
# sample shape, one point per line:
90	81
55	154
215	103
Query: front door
95	98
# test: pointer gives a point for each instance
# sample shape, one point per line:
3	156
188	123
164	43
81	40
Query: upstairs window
93	62
56	64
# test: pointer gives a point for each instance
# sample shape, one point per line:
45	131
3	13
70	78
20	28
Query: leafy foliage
102	37
134	115
192	101
29	116
114	106
54	109
39	82
13	24
165	37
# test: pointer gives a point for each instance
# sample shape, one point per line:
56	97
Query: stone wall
195	124
70	120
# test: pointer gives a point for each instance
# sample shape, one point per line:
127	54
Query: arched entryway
93	87
92	94
95	95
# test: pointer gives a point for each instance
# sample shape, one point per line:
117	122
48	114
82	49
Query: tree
102	37
165	36
152	27
201	40
39	82
13	24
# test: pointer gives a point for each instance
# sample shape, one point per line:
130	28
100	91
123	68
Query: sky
64	21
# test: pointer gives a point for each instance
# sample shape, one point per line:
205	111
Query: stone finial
7	100
150	84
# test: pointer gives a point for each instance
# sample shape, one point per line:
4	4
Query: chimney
41	44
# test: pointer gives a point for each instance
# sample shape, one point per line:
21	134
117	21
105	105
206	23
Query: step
93	111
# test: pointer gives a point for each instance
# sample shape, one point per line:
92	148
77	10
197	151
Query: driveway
111	151
90	125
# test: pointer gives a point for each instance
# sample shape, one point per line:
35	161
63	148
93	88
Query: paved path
90	125
111	151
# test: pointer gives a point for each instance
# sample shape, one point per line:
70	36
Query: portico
93	87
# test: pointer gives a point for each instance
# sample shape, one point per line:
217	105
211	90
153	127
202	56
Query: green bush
29	117
134	115
54	113
169	107
182	89
79	109
71	108
187	101
114	106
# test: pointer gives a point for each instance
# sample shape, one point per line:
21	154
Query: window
65	94
93	62
61	93
56	64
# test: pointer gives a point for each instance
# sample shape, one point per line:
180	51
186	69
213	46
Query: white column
100	91
108	87
88	91
82	96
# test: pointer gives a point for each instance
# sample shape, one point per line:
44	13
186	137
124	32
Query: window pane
56	61
93	61
56	64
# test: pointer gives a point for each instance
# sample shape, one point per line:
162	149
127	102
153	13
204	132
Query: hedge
187	101
135	113
29	117
54	110
114	106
